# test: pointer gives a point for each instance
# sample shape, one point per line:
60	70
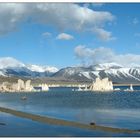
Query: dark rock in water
23	98
2	123
92	123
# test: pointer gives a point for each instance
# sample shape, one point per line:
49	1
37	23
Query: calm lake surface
116	109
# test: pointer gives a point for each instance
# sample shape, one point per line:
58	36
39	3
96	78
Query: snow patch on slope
86	74
106	66
2	74
42	68
96	73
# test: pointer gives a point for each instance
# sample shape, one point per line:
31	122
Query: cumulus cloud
64	36
105	55
103	34
10	16
6	62
63	16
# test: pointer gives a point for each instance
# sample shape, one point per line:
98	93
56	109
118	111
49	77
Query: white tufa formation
102	85
44	87
20	86
28	86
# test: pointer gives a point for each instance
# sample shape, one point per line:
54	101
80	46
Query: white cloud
103	34
64	36
6	62
105	55
10	62
39	68
61	15
71	16
10	16
46	34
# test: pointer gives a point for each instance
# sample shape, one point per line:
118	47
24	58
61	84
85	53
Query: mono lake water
116	109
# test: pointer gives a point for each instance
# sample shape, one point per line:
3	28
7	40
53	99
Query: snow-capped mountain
38	68
9	62
115	72
105	66
12	67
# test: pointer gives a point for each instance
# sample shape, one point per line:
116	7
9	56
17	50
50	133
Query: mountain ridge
117	73
12	67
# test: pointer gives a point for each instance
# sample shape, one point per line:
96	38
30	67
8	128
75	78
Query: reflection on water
117	109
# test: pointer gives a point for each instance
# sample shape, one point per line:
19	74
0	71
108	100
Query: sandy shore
53	121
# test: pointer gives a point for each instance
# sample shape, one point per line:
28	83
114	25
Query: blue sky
64	35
